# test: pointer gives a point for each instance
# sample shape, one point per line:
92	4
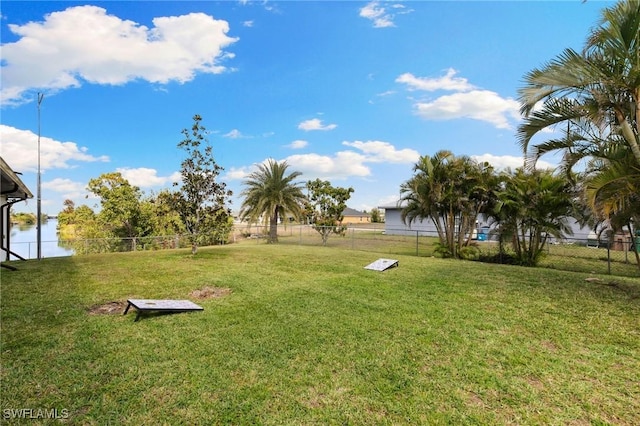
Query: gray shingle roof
353	212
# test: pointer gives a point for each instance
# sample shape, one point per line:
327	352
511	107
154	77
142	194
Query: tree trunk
628	134
273	228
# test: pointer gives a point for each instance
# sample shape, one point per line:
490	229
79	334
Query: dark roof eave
17	189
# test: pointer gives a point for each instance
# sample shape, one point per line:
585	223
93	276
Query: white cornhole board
382	264
161	305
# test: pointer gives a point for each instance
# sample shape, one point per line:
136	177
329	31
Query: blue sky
348	91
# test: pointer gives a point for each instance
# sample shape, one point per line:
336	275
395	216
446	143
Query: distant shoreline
27	218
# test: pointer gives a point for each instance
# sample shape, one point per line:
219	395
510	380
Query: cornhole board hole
161	305
382	264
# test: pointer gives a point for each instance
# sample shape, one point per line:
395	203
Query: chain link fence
59	248
597	256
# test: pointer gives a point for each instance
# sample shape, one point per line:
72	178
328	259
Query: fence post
609	256
417	243
626	250
353	239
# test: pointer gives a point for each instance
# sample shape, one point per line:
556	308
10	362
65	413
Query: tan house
12	190
352	216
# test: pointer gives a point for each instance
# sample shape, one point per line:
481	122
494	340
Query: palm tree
599	88
613	192
596	94
451	191
423	193
269	191
533	206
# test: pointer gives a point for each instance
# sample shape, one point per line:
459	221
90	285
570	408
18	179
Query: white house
12	190
394	225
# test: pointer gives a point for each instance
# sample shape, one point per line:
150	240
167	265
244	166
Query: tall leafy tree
81	229
165	220
450	191
326	204
376	216
120	211
271	192
201	200
66	215
533	206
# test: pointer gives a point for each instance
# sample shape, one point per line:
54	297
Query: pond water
24	241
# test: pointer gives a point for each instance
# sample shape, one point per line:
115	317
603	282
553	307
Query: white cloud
235	134
65	186
315	124
298	144
468	101
237	173
247	24
20	151
143	177
508	161
483	105
377	14
68	190
341	165
389	200
387	93
384	152
85	44
447	82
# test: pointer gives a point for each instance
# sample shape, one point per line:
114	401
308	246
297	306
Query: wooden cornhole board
161	305
382	264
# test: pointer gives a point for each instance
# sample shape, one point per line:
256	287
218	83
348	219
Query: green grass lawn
307	336
572	257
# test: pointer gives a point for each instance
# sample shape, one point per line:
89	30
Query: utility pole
39	203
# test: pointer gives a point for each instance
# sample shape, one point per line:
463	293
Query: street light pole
39	201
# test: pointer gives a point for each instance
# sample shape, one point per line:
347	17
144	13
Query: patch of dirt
535	383
550	346
474	400
210	292
109	308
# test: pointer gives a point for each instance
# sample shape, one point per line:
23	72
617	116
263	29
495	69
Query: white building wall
394	226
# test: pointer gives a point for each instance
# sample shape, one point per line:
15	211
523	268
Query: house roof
353	212
393	206
11	186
